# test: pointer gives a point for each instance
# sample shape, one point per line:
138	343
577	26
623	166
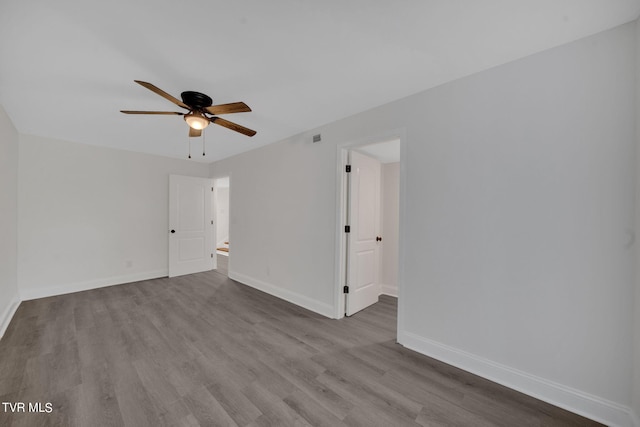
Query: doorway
221	219
368	254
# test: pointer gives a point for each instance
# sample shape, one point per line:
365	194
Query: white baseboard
389	290
285	294
7	315
587	405
43	292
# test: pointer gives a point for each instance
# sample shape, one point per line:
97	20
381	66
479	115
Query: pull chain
203	142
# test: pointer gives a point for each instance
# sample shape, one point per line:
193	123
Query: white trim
402	220
8	315
388	290
285	294
341	200
29	294
579	402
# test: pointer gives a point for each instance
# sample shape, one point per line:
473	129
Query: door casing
341	217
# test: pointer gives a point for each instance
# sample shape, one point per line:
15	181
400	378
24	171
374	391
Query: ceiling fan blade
232	126
234	107
152	112
163	94
194	132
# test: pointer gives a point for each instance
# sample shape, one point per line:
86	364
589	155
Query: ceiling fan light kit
196	121
201	111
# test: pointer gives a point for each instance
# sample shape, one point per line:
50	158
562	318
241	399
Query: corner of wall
9	154
285	294
7	315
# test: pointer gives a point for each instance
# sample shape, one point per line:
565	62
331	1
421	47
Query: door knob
173	231
378	239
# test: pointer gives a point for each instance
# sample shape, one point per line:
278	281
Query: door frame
341	216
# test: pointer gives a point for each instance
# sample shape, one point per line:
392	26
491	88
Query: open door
190	225
364	216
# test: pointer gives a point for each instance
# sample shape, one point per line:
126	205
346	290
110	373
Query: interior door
190	225
364	218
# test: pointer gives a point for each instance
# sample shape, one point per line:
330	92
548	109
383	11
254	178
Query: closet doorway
369	211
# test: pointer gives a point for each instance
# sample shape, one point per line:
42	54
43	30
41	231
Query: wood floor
202	350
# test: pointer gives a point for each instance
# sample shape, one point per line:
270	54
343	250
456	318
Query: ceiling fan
201	111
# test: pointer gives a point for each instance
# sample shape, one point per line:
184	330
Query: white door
364	218
190	225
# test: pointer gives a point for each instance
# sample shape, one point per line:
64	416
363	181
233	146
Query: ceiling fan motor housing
196	100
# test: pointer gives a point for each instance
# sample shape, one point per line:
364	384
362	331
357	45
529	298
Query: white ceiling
384	152
67	66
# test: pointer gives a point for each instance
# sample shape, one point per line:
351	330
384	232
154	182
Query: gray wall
8	219
636	329
518	201
92	216
390	228
222	215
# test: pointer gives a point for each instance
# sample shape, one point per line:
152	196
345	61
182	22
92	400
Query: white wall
8	220
636	328
526	173
91	216
222	215
281	209
390	219
519	195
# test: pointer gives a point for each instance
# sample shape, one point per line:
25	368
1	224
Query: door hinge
211	255
211	222
348	168
347	229
211	188
345	289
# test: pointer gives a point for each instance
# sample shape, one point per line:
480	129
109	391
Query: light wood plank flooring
202	350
